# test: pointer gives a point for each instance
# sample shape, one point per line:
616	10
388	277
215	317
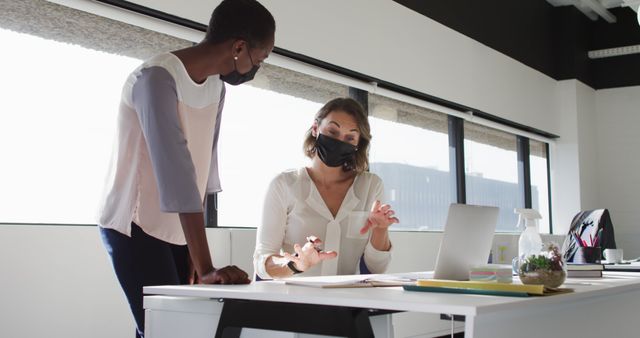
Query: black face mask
235	78
334	153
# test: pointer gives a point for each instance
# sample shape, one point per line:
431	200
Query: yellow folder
532	289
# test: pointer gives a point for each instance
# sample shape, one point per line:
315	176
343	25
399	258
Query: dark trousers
142	260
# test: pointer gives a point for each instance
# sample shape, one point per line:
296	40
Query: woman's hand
228	275
309	255
380	218
193	274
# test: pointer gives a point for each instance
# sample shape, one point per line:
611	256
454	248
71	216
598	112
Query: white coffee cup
613	255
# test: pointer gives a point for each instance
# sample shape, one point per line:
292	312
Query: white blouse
293	209
165	157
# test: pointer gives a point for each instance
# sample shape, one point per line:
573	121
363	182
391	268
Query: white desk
599	307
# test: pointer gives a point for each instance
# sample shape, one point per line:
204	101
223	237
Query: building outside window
410	152
491	172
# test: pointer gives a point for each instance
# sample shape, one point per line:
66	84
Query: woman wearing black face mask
151	218
334	199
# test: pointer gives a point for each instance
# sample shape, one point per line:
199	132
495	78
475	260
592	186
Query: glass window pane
410	152
60	103
491	172
263	126
540	182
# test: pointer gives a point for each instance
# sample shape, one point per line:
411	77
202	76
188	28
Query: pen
312	240
577	239
597	239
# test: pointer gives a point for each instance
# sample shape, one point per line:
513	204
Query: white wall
618	166
595	158
564	158
587	139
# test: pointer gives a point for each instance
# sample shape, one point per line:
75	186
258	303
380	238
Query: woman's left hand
380	218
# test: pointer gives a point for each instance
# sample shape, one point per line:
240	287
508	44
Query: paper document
350	281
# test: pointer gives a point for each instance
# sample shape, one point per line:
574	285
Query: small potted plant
546	268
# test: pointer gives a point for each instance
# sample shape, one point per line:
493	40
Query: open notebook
356	281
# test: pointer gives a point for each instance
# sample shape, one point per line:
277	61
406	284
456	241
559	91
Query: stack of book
491	273
584	270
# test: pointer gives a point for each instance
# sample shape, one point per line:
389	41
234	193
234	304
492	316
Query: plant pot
549	278
547	267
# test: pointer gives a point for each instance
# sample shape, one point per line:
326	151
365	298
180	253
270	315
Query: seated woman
334	198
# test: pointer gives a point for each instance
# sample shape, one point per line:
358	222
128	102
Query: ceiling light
610	52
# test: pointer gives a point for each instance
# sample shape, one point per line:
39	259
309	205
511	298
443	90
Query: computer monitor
466	240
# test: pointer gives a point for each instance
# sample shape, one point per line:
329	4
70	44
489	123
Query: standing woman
334	198
165	160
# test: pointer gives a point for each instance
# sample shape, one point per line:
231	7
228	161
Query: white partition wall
57	281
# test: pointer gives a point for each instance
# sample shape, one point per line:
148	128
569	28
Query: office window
61	85
409	151
538	159
491	172
62	81
263	127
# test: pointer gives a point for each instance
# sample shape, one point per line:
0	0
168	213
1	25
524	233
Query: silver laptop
466	241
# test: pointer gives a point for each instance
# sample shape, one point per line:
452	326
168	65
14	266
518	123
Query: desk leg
301	318
228	332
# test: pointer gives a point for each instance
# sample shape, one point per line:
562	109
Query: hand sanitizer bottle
530	242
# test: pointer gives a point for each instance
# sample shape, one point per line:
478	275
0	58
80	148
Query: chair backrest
592	226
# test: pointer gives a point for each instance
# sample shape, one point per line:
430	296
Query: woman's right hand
308	255
228	275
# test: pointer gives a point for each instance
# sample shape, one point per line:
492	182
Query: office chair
593	228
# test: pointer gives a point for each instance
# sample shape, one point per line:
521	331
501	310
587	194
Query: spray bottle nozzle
527	217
